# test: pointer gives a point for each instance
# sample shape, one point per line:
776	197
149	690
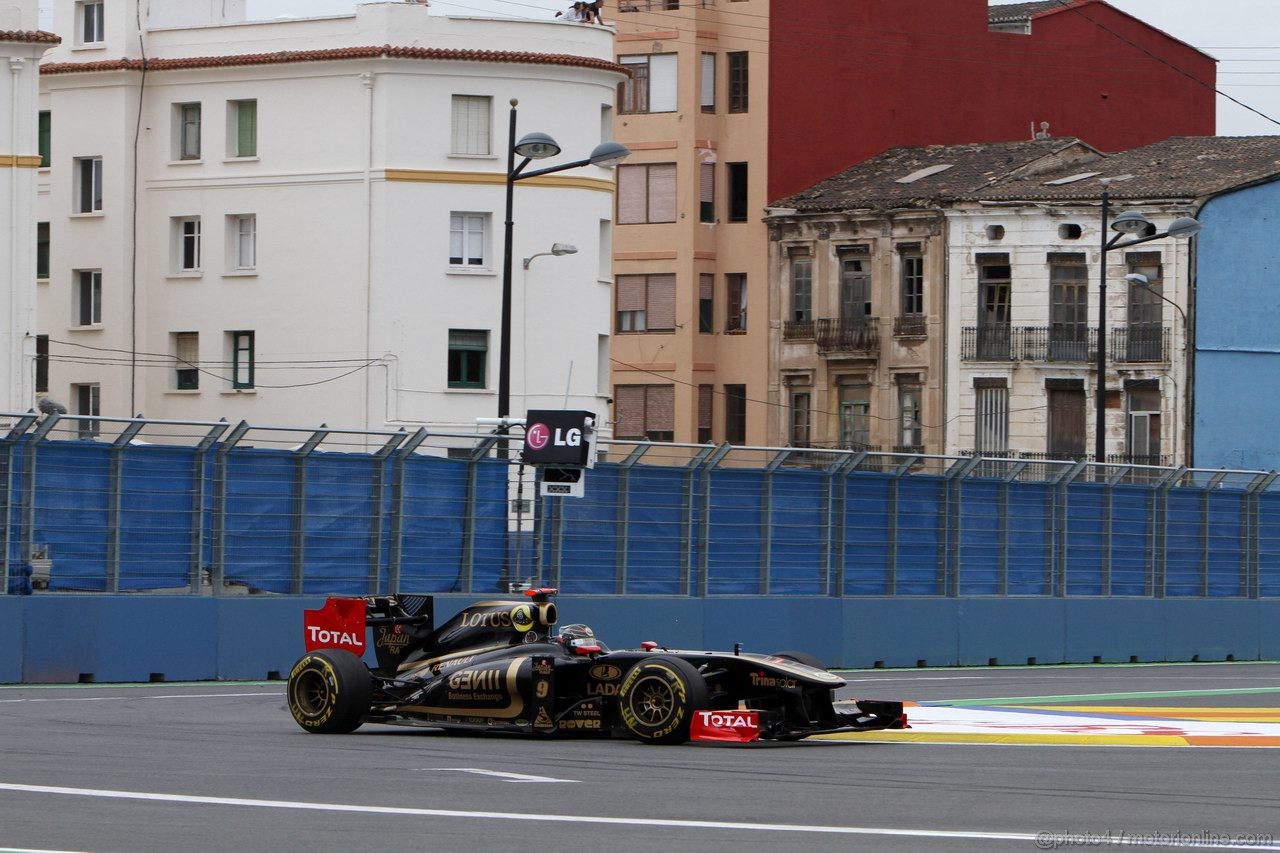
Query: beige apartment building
690	344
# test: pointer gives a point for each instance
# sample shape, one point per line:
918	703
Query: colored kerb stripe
20	161
1101	697
1017	738
1162	712
497	179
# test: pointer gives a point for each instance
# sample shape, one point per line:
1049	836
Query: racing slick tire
658	699
801	658
329	691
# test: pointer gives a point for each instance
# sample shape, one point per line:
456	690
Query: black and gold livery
500	666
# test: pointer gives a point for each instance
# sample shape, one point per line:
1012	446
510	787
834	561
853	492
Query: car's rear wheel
329	691
659	697
801	658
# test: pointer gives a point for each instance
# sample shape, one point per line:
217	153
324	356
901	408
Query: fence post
1253	545
1002	535
115	499
953	485
1214	482
837	510
379	508
28	528
622	554
1058	575
466	576
198	507
296	582
217	572
1160	553
891	556
395	549
10	443
704	465
764	577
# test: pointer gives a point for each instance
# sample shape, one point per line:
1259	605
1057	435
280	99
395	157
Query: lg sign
557	437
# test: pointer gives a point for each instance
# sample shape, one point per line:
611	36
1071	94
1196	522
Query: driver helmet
576	635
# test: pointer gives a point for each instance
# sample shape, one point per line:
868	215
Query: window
1066	418
1070	231
737	191
88	189
1145	340
991	417
87	300
736	286
801	289
652	87
644	412
646	303
855	415
646	193
735	414
42	362
706	398
706	303
186	355
468	239
708	83
707	192
855	288
472	122
89	404
800	414
186	255
994	280
244	242
1143	439
42	250
738	87
910	433
468	351
186	131
90	21
912	279
46	137
242	128
1068	308
242	359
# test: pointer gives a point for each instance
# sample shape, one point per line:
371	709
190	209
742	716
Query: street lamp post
532	146
1131	223
1137	279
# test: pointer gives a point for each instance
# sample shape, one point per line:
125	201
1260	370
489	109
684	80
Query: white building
21	45
300	221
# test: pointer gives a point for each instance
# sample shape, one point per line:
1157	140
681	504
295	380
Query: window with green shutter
468	349
243	120
46	129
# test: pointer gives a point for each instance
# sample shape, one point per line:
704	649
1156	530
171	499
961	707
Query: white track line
140	698
500	774
587	819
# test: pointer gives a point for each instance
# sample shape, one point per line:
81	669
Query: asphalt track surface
223	767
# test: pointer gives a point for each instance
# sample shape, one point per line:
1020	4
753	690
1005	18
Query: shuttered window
708	82
645	412
706	303
653	84
991	404
246	118
471	124
186	354
646	303
706	398
707	192
646	193
738	82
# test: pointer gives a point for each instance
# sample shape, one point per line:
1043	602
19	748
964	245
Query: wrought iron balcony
910	326
1077	344
838	335
797	330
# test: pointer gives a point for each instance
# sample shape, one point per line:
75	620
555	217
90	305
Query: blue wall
68	638
1237	358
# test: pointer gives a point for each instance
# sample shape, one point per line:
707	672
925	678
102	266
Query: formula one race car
497	666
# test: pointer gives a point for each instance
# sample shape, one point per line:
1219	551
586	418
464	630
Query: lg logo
537	436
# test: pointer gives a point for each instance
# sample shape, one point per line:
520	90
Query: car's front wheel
329	691
659	697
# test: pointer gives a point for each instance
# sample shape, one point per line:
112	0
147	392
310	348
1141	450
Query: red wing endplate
338	625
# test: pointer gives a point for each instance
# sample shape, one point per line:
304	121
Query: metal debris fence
111	505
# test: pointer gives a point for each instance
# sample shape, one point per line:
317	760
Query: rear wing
399	624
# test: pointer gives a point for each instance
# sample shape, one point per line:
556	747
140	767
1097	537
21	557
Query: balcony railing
910	326
797	330
1140	344
1063	343
839	335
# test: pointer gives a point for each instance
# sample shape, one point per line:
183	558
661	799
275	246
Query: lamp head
1184	226
537	146
1138	279
563	249
608	154
1131	222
